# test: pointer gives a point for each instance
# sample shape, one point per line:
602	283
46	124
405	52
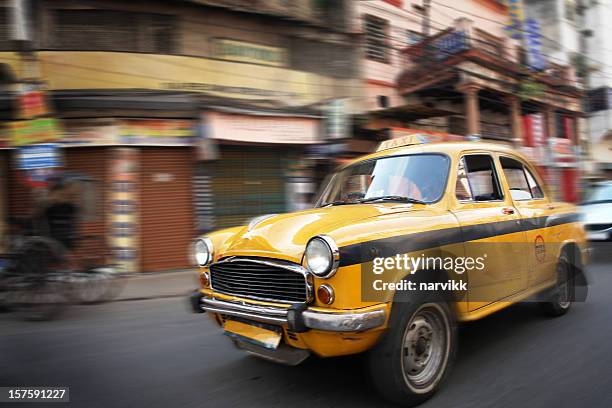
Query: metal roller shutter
247	183
166	210
91	162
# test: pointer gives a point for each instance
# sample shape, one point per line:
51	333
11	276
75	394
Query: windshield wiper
338	202
401	199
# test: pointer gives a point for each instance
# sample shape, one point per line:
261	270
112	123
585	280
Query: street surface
154	353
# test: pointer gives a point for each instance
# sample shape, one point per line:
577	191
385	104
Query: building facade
598	70
193	115
460	71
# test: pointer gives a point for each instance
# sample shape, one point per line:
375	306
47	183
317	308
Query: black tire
394	368
563	293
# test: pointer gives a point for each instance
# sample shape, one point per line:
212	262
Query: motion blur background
191	116
197	115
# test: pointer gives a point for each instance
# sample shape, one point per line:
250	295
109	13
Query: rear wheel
562	296
414	356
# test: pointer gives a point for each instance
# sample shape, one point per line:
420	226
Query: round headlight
203	251
322	256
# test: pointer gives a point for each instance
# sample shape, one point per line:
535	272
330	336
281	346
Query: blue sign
533	39
40	156
450	44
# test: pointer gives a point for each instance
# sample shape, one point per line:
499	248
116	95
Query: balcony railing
461	42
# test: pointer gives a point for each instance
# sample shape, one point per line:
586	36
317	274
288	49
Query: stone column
516	123
550	121
472	108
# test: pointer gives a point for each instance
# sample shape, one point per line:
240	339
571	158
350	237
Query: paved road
154	353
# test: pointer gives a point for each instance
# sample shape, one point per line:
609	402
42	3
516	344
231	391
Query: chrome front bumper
354	321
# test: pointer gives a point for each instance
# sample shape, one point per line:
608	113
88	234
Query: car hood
598	213
288	234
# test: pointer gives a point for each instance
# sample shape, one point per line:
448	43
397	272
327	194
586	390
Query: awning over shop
410	112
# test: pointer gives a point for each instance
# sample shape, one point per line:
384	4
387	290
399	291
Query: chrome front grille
261	279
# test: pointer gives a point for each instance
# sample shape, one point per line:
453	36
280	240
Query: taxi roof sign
411	139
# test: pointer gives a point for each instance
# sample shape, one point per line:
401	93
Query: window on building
377	43
5	43
477	179
113	30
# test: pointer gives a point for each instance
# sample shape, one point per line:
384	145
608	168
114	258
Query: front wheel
412	359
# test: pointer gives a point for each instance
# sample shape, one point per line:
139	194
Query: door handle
508	211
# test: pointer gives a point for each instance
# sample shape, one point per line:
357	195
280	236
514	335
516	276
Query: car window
477	179
534	187
599	193
462	189
517	181
521	182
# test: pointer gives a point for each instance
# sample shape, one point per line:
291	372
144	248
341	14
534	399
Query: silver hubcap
425	347
563	287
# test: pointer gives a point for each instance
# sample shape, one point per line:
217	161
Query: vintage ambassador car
332	280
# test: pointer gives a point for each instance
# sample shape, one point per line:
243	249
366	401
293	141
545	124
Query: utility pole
585	142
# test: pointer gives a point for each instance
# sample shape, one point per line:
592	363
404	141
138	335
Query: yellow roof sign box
407	140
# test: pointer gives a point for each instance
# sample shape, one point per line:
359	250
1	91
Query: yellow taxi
402	245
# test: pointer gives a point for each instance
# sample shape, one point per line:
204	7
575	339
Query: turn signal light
325	293
204	280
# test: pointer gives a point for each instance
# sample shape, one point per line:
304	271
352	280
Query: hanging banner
533	37
123	217
517	15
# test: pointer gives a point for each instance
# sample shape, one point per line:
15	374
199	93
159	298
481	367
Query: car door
533	206
490	225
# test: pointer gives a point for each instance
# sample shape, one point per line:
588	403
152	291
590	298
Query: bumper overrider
298	318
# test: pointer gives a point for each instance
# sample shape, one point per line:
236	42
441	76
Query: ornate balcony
462	46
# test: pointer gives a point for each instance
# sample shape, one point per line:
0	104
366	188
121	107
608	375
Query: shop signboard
337	120
242	51
39	130
157	132
38	162
35	125
40	156
263	129
562	152
92	133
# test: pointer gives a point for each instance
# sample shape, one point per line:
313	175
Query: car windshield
599	193
419	178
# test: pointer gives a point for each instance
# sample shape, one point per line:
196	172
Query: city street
155	353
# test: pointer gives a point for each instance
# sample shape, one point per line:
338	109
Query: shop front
261	167
141	209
